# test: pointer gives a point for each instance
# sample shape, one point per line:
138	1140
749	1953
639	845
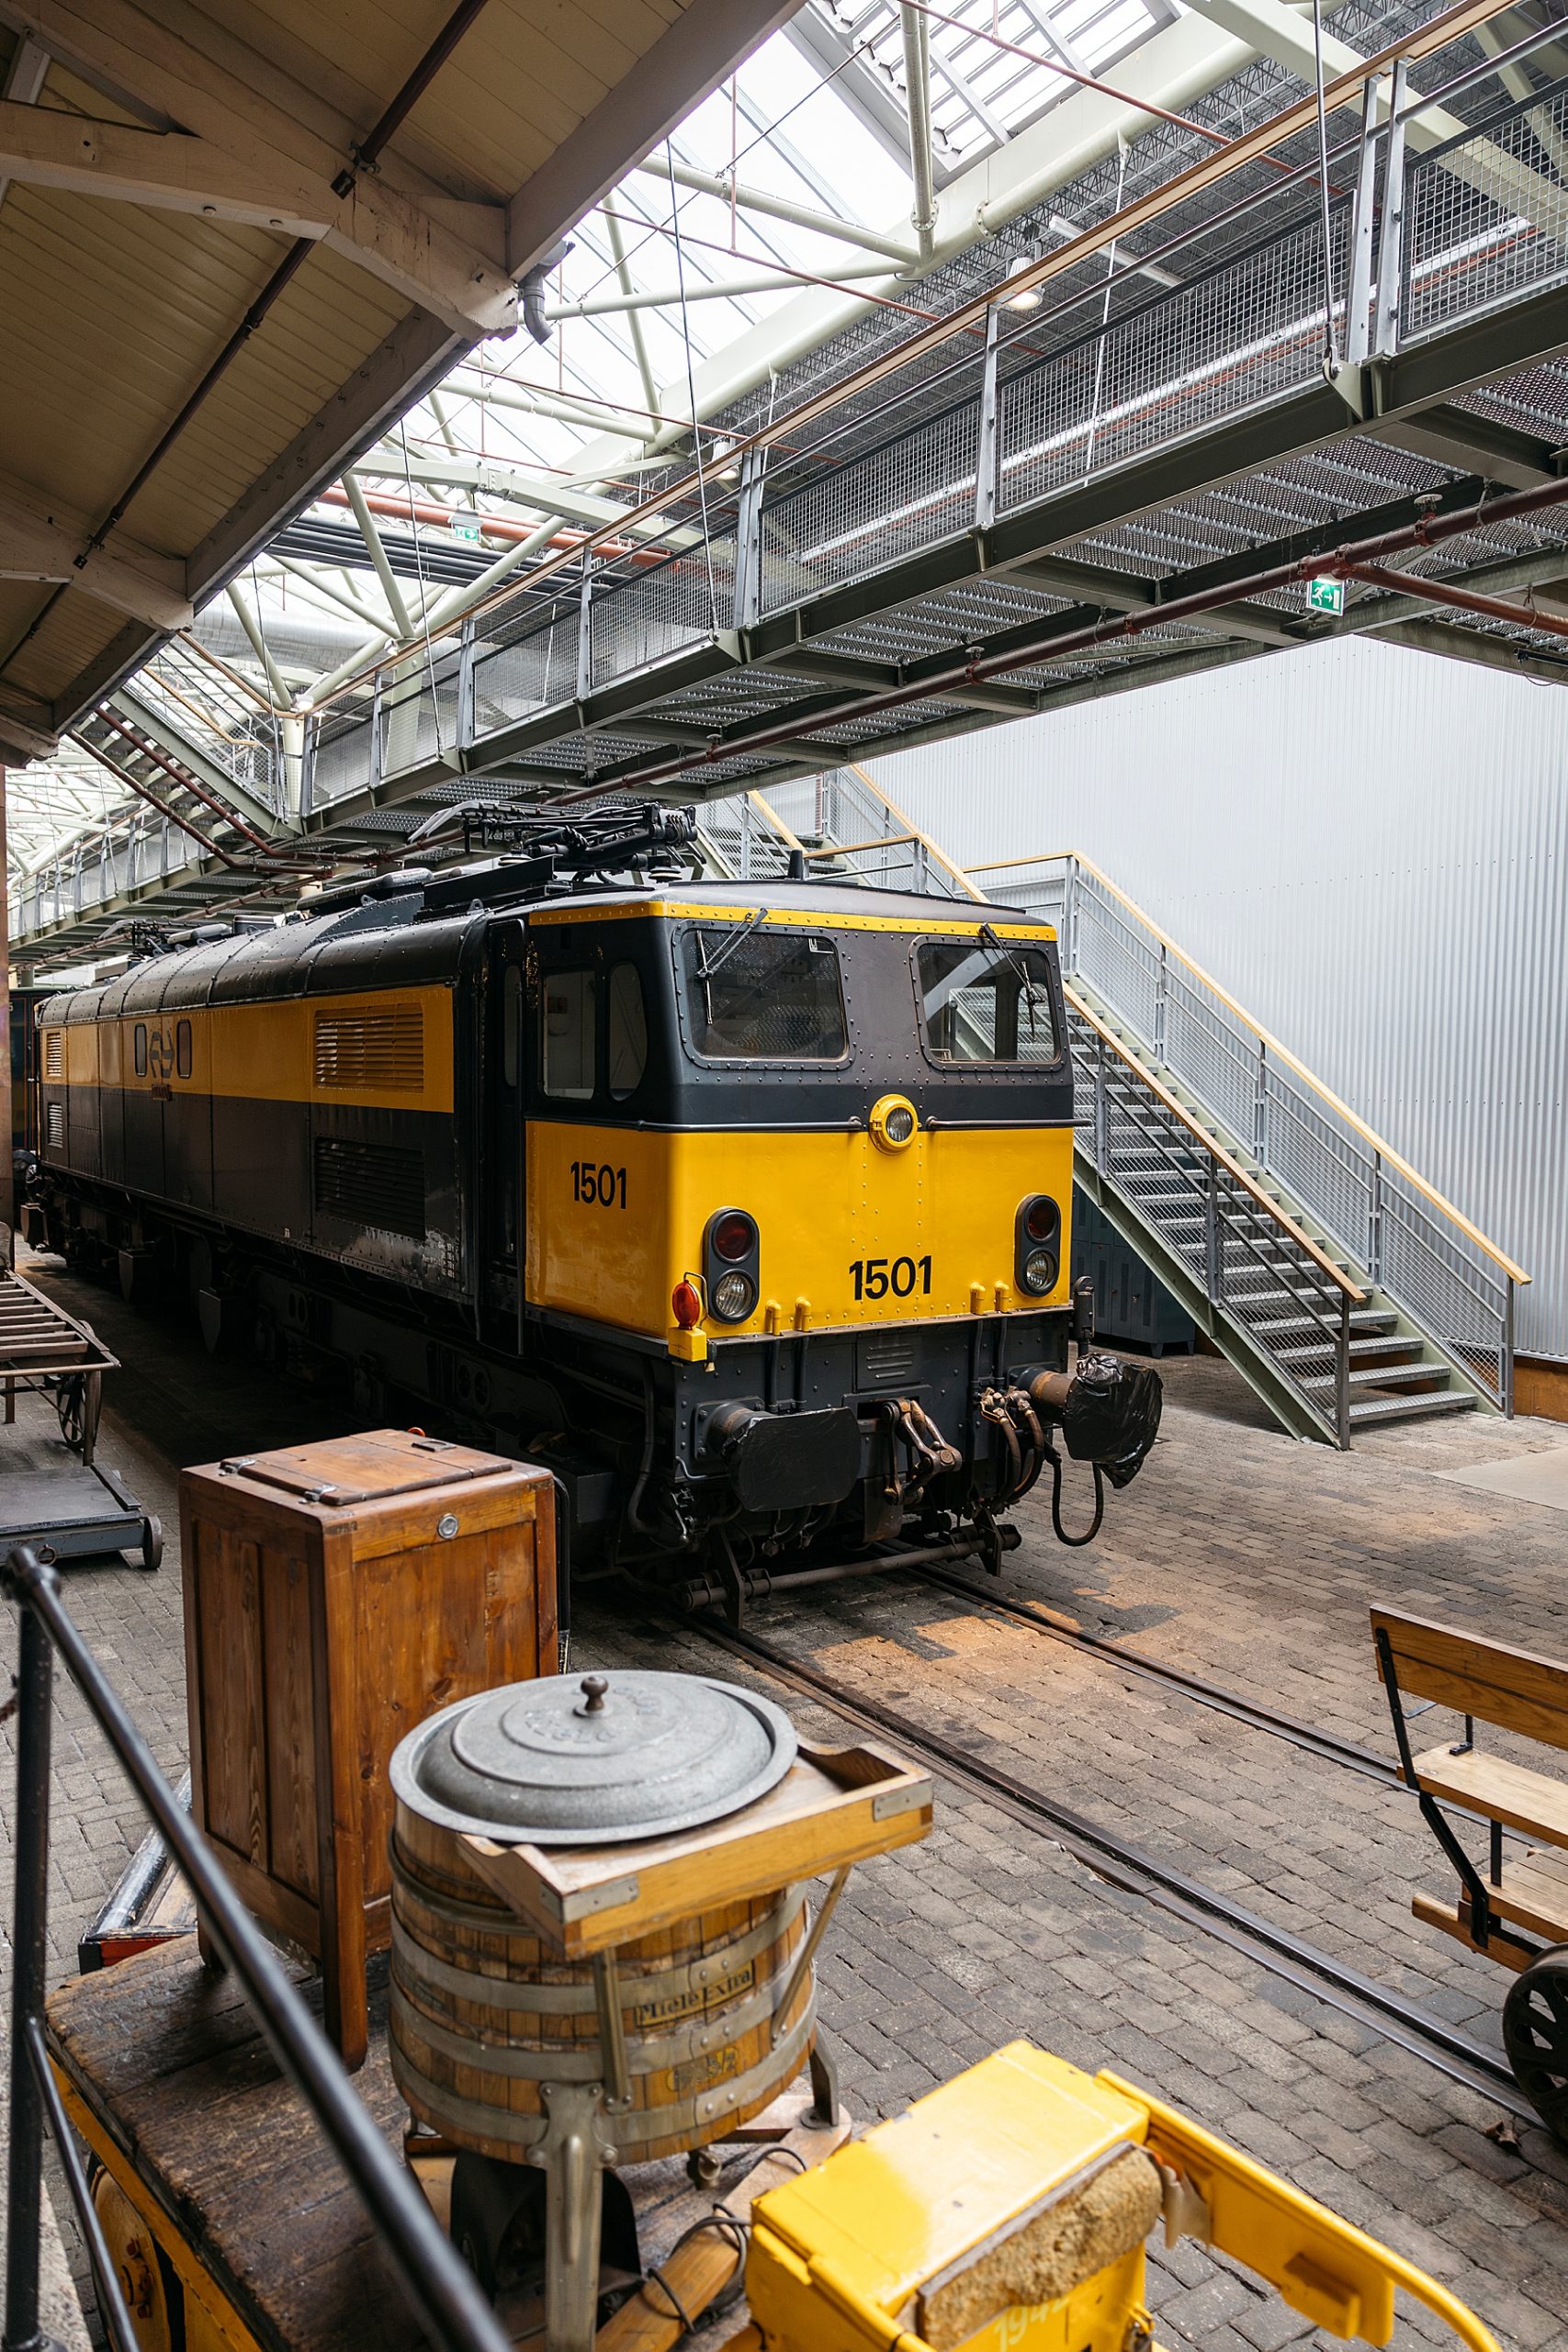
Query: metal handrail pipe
1216	1150
442	2288
1342	1110
1336	1334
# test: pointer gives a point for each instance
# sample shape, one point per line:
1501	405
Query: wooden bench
1513	1691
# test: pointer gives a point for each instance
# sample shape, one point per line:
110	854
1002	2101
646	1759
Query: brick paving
1238	1554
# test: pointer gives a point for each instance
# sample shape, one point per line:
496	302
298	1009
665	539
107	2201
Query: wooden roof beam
41	540
462	282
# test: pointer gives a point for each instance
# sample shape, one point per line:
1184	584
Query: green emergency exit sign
1325	595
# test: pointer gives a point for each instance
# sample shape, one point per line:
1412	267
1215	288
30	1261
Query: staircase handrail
1216	1150
1283	1053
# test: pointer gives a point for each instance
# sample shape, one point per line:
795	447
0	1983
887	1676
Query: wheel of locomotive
153	2296
152	1543
1535	2035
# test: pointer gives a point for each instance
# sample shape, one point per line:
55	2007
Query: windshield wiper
1015	964
708	964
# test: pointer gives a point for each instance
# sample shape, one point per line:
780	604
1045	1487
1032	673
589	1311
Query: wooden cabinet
334	1596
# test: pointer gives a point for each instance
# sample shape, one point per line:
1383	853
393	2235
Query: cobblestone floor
1237	1554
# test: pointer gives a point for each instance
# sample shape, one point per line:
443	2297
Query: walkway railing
440	2286
1413	1245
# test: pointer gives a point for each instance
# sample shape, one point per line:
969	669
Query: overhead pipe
730	190
917	101
1466	600
421	510
1427	531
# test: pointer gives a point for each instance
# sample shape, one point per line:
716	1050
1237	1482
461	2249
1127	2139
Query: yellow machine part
857	2254
851	1235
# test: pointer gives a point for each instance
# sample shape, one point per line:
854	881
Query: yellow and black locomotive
743	1206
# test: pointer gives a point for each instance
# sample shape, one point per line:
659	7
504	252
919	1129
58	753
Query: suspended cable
1330	354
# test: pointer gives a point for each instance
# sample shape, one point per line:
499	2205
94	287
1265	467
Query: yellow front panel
862	1236
893	2210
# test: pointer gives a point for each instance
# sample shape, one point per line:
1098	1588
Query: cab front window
986	1001
759	995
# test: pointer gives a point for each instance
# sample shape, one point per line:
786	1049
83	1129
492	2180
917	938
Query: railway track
1138	1872
1307	1737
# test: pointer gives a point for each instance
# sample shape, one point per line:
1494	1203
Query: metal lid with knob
593	1760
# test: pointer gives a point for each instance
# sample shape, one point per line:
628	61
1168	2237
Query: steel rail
1325	1744
1137	1871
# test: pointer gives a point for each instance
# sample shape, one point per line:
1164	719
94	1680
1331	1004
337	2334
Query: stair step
1411	1409
1393	1375
1363	1320
1321	1350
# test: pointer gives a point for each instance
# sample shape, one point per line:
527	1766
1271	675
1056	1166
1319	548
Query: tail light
731	1264
686	1305
1037	1245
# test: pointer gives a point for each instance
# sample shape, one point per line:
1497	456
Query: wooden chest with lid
336	1595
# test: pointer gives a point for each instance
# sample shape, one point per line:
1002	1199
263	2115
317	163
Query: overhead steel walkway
1342	1286
1076	463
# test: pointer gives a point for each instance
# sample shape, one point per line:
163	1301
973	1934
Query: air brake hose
1074	1543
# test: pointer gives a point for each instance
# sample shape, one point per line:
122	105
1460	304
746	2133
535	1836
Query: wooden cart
213	2167
1513	1905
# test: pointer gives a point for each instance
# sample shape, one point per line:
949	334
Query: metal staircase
1343	1288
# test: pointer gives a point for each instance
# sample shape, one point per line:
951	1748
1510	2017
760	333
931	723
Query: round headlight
893	1122
734	1237
1039	1271
732	1297
1040	1219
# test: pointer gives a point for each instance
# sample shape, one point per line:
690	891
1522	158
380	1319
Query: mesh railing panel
1486	216
1342	1186
859	513
1257	1274
1245	334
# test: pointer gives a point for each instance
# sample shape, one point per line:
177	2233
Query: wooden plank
825	1813
699	2271
1517	1689
1450	1919
290	1761
1505	1793
168	2066
1534	1895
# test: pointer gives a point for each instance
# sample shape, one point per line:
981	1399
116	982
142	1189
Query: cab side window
141	1050
628	1032
181	1049
570	1020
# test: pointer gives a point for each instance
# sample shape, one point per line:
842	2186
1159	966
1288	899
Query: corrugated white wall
1366	845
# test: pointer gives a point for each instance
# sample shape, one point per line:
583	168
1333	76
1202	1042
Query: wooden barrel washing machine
601	1948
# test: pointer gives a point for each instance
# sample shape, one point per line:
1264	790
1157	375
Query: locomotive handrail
442	2288
1282	1053
1216	1150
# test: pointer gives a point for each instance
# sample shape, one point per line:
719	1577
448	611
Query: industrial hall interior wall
1366	846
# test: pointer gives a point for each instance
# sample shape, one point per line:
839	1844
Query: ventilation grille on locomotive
377	1184
380	1050
55	1125
54	1053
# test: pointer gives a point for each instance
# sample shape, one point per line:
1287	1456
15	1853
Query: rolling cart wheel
1535	2035
151	1543
153	2293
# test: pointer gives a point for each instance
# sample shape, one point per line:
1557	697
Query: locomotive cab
809	1156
